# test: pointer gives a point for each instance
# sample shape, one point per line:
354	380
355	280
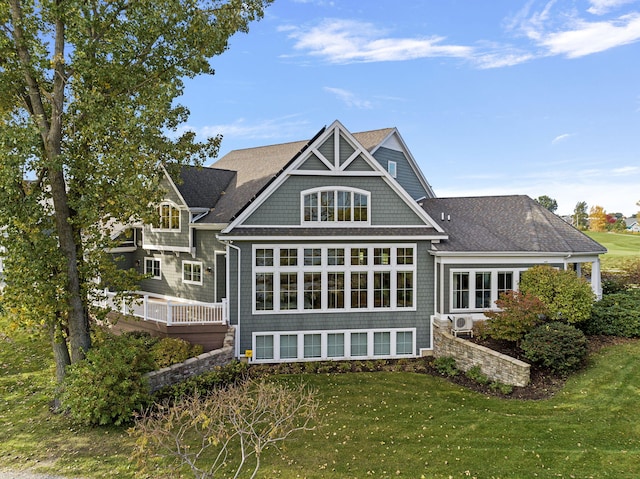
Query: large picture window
335	206
333	277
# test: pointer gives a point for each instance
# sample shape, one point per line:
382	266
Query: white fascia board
412	161
169	249
209	226
332	238
511	258
173	185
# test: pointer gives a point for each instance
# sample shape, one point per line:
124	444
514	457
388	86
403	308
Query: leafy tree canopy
88	122
548	203
580	215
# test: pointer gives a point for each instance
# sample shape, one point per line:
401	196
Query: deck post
225	311
145	305
169	313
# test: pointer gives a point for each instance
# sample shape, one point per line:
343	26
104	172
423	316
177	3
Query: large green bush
567	297
557	346
168	351
615	315
108	386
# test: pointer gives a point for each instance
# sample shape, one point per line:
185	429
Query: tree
227	428
567	297
548	203
597	219
519	313
88	121
580	215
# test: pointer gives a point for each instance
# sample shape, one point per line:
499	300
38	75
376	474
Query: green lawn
619	246
372	425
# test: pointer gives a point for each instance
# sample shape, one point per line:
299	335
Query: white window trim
153	259
168	230
392	168
472	286
324	269
193	263
324	345
335	222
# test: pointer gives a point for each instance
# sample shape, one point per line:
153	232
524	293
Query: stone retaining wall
193	366
497	366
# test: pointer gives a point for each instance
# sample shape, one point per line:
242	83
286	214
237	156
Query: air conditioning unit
461	324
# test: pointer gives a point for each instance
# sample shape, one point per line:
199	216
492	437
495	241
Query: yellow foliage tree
597	219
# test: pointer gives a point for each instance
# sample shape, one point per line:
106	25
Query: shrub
168	351
615	315
475	373
519	313
108	386
567	297
557	346
502	388
446	365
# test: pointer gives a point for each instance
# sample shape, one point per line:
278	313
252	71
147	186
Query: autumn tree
88	120
598	219
548	203
580	216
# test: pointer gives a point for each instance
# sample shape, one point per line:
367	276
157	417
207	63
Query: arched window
332	205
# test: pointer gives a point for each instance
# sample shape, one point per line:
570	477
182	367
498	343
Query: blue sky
492	97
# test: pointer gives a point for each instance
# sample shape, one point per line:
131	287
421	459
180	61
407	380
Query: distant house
337	248
632	224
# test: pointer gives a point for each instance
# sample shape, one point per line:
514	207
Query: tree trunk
60	356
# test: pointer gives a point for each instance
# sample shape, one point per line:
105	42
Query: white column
596	283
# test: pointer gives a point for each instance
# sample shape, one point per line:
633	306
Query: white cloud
600	7
586	38
349	98
560	138
348	41
268	129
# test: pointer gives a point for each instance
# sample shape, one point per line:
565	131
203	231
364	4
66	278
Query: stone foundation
193	366
496	366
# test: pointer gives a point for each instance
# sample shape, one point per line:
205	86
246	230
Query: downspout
237	335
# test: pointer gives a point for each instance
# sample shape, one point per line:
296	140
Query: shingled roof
256	167
202	187
505	224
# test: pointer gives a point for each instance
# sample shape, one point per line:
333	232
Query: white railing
170	312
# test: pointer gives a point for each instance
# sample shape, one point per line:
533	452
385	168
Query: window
404	342
392	168
191	272
264	347
288	346
335	345
303	278
483	290
505	282
359	344
312	345
339	205
382	343
169	217
480	289
264	292
460	290
152	268
312	290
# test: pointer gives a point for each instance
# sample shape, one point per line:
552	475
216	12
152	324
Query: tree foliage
598	219
567	297
580	216
519	313
230	427
548	202
88	121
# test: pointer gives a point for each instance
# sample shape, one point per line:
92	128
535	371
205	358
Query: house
632	224
337	248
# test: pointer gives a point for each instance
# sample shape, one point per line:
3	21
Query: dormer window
392	168
169	217
335	206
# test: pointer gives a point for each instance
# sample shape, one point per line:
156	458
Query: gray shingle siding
283	206
405	174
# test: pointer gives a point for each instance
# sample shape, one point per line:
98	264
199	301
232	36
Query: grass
372	425
620	246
